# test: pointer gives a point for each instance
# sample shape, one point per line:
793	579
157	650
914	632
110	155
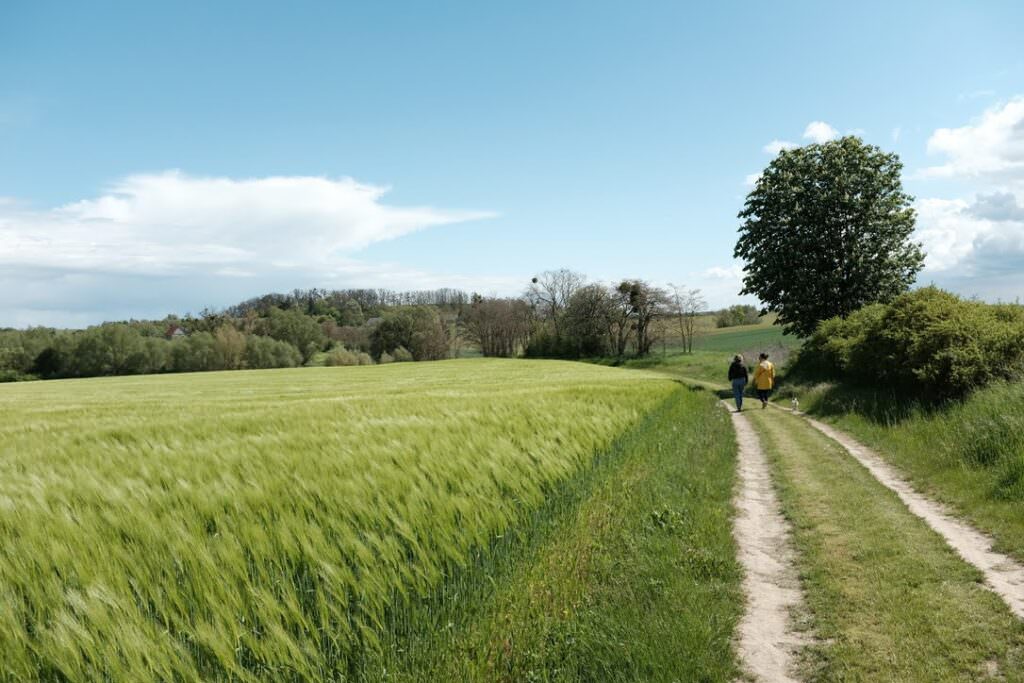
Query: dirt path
766	641
1003	575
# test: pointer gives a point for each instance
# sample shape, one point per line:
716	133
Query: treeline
927	343
559	315
135	348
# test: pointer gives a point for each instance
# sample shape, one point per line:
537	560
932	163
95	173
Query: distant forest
559	315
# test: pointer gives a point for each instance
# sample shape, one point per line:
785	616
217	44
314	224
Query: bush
416	328
342	356
402	355
743	314
298	329
264	352
545	344
928	342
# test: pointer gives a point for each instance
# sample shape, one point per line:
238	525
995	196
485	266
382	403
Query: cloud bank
976	243
154	234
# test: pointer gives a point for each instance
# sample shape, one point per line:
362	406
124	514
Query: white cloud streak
172	222
170	231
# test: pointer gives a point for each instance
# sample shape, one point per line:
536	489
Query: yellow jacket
764	376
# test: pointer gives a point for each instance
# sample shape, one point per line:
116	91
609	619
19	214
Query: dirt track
766	641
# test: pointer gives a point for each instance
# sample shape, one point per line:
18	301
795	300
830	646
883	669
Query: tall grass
268	525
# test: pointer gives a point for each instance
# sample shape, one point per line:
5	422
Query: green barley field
279	525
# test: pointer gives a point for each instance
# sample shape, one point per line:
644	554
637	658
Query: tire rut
766	641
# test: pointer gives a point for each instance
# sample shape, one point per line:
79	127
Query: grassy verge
630	576
889	600
969	454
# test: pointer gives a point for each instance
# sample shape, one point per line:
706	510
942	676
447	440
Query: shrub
298	329
402	355
264	352
417	328
927	342
342	356
742	314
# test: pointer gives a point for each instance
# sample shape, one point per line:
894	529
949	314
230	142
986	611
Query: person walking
764	379
738	377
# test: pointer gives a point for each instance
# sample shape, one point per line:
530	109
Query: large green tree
827	230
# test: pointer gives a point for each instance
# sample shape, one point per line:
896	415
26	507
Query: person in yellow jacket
764	379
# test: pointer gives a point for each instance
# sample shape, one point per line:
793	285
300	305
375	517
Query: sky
162	158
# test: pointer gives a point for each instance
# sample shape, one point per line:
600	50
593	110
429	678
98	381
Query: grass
714	350
272	525
632	578
888	599
967	454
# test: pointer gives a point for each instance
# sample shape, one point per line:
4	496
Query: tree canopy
826	231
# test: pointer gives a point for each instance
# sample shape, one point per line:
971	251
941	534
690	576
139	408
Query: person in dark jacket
738	378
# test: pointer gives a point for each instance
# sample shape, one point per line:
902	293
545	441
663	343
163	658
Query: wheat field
266	525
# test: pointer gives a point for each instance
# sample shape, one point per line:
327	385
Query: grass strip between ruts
967	454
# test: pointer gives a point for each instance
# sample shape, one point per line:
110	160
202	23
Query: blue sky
160	158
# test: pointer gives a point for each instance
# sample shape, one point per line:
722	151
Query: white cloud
733	272
721	285
152	242
896	132
947	231
976	238
977	245
819	131
750	180
776	146
992	145
171	223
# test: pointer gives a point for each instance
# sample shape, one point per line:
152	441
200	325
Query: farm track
892	581
1003	575
766	641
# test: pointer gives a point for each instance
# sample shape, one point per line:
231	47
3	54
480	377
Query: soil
766	641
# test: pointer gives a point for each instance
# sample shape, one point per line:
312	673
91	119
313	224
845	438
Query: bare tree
549	294
687	305
646	303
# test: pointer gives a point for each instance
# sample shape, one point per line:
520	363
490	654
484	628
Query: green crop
266	525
